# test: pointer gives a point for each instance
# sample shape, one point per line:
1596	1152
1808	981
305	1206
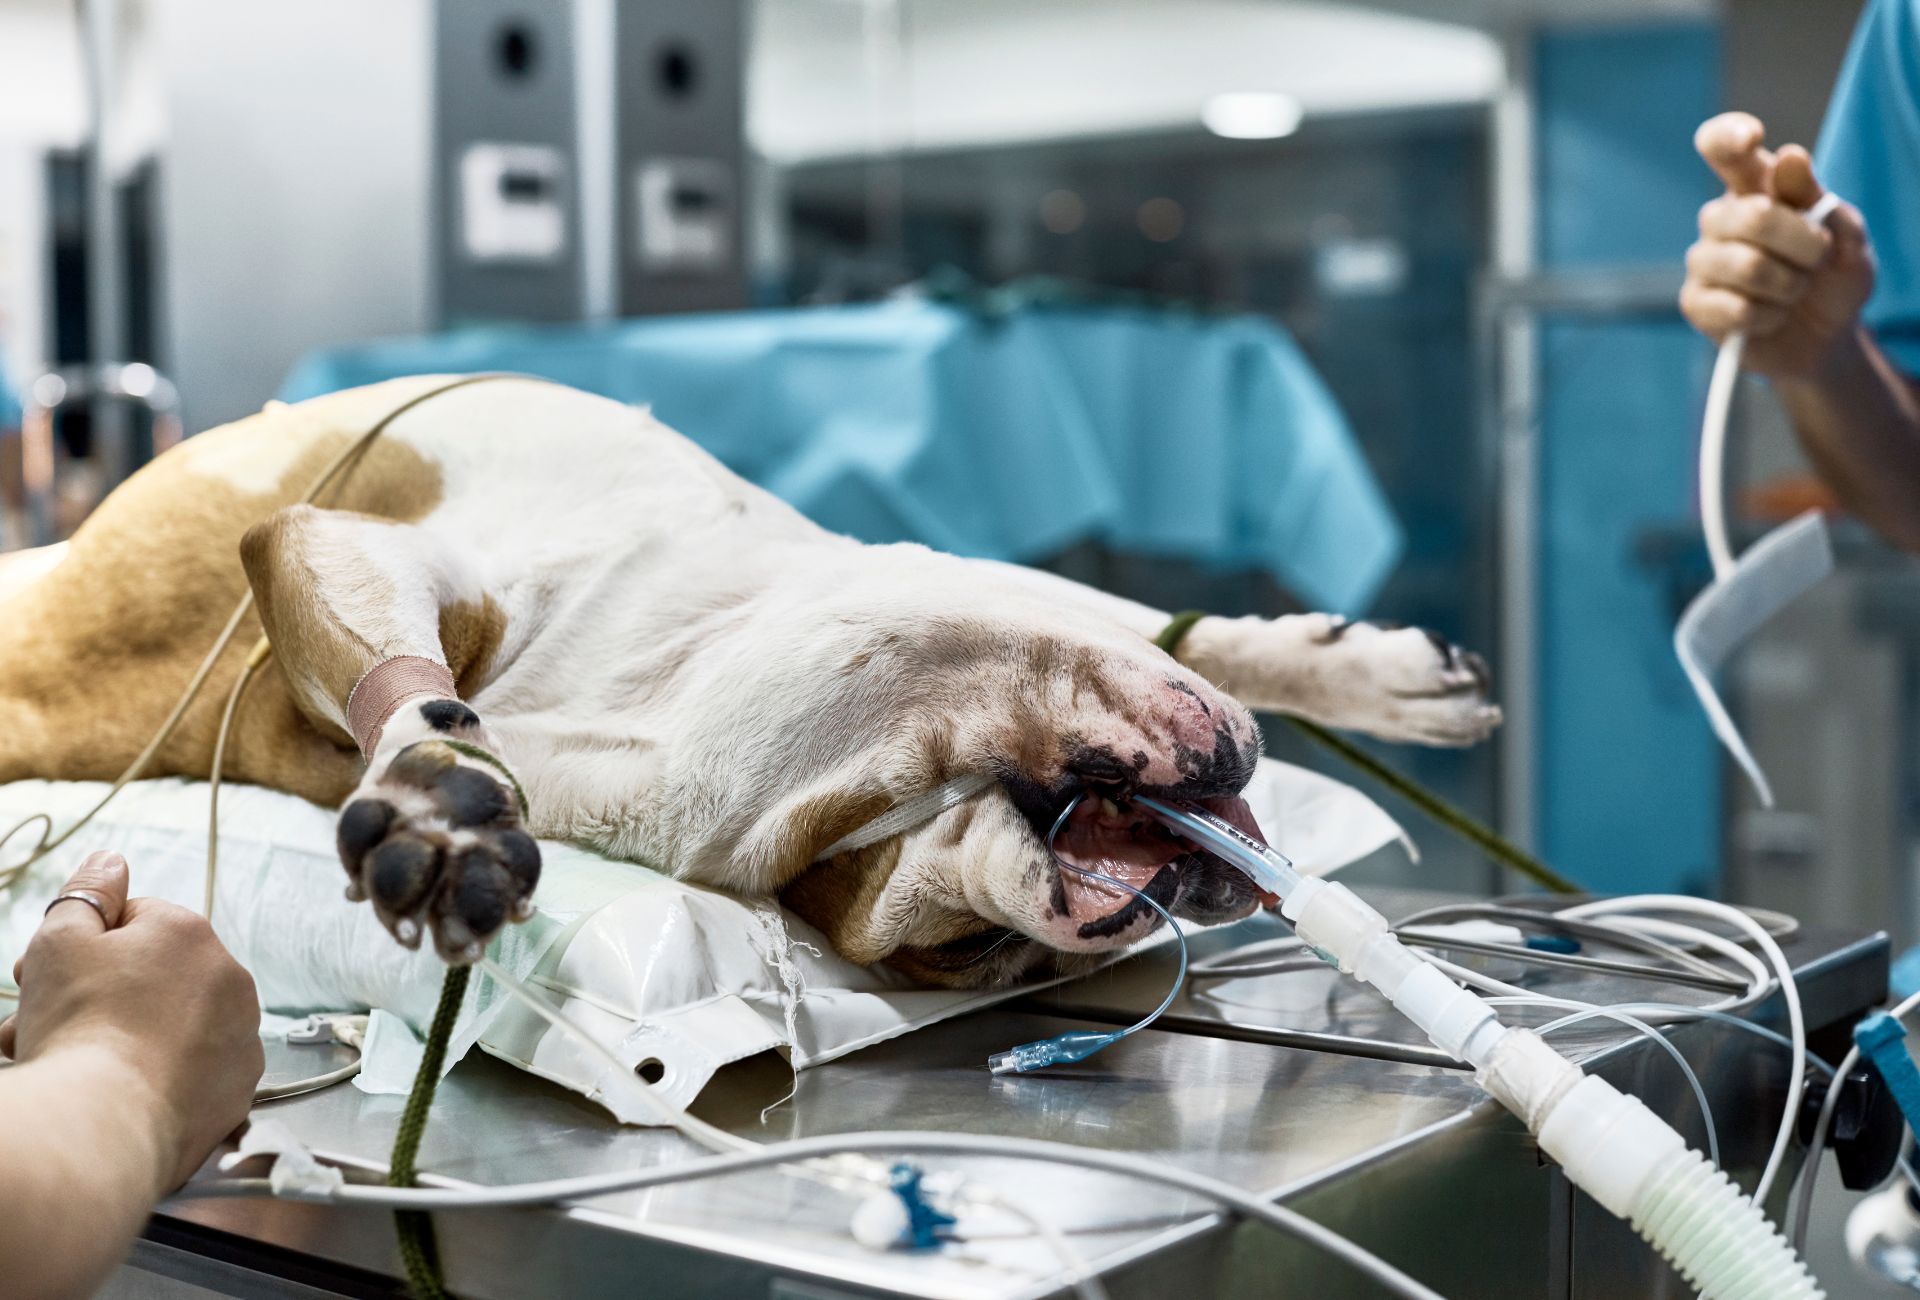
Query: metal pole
1516	338
889	104
106	288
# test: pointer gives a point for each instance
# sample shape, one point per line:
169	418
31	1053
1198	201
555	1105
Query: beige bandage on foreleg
378	695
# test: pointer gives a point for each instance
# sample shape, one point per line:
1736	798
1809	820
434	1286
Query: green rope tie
1455	819
480	755
414	1228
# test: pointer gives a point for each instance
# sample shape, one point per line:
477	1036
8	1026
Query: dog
525	611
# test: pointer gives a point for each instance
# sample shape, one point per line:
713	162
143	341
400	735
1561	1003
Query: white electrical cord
1713	452
301	1087
1783	972
801	1149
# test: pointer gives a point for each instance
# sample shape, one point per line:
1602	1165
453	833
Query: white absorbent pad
672	977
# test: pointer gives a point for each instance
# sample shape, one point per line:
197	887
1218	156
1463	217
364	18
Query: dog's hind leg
1398	683
379	631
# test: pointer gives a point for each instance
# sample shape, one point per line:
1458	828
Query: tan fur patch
95	654
470	636
839	897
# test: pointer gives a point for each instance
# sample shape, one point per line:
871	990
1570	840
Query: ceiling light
1252	115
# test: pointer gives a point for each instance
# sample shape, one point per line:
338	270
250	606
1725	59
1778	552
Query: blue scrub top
9	402
1869	152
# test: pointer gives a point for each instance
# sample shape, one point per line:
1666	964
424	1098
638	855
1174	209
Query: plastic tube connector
1457	1021
1352	934
1608	1142
1527	1076
1333	919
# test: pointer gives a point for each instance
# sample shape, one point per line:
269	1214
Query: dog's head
891	679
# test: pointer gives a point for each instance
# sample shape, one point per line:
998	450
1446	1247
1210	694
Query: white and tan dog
679	669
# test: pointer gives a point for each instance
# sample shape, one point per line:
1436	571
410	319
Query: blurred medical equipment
589	158
59	487
1775	571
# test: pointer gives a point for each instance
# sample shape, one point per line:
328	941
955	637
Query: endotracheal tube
1608	1143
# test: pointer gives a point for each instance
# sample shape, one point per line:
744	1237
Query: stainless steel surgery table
1404	1156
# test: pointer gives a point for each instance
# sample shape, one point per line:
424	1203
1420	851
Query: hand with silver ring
137	1048
88	897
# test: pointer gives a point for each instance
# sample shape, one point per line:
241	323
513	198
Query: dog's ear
789	837
872	909
843	897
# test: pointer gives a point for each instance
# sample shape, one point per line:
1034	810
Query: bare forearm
1859	420
80	1169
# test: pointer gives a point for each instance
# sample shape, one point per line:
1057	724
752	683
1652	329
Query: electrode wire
260	655
1783	974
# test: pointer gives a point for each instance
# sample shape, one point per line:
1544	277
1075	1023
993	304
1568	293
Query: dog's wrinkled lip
1108	833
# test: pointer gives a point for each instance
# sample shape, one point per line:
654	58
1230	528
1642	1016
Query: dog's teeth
1109	807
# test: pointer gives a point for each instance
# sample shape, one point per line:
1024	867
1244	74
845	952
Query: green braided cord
480	755
1495	845
1176	631
415	1227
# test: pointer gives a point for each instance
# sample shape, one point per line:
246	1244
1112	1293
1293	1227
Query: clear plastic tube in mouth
1269	869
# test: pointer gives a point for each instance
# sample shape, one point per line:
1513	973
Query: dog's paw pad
437	843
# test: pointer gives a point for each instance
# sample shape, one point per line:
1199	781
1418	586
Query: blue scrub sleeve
9	402
1869	153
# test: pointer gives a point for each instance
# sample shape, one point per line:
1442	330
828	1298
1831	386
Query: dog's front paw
434	837
1410	685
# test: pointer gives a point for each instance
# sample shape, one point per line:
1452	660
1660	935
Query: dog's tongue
1131	847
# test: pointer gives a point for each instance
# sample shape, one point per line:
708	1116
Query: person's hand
145	988
1759	267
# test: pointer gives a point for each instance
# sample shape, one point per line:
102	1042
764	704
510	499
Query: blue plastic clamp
924	1223
1883	1040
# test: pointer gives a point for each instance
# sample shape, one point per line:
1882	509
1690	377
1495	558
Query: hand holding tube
1797	292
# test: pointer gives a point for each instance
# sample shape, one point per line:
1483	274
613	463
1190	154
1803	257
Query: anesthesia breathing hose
1609	1143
